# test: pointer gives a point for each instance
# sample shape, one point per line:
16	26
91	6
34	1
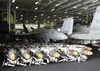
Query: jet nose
65	37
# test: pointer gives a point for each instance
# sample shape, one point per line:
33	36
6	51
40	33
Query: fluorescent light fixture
42	14
48	17
44	19
21	18
79	13
52	22
55	15
57	5
36	8
85	8
66	12
16	7
66	16
75	7
37	2
35	16
59	17
86	21
52	9
21	15
48	21
79	19
55	20
94	1
13	1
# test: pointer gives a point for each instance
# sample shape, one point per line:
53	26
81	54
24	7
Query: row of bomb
42	53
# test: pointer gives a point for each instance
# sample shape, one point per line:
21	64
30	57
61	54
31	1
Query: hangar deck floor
92	64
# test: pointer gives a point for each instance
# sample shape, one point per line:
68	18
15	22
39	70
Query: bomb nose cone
75	53
40	55
65	37
57	55
13	57
89	49
27	55
90	53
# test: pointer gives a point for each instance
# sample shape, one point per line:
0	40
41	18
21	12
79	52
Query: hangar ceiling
51	11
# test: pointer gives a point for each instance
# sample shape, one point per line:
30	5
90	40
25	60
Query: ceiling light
57	5
42	14
59	17
52	22
52	9
13	1
48	17
79	13
66	16
48	21
66	12
75	7
44	19
55	15
86	21
94	1
35	16
26	21
16	7
36	8
36	22
21	18
21	15
85	8
55	20
79	19
37	2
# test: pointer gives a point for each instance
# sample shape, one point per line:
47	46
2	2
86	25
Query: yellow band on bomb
40	55
57	55
28	56
75	53
14	57
60	51
90	53
89	49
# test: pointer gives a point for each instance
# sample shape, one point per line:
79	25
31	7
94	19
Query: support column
87	18
38	24
14	19
9	12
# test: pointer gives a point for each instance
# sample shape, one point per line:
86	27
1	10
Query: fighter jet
89	36
45	34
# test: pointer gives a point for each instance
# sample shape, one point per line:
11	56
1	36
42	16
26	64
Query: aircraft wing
38	32
23	34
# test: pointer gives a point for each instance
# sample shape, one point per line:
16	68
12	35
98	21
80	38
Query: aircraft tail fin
25	29
96	19
67	26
